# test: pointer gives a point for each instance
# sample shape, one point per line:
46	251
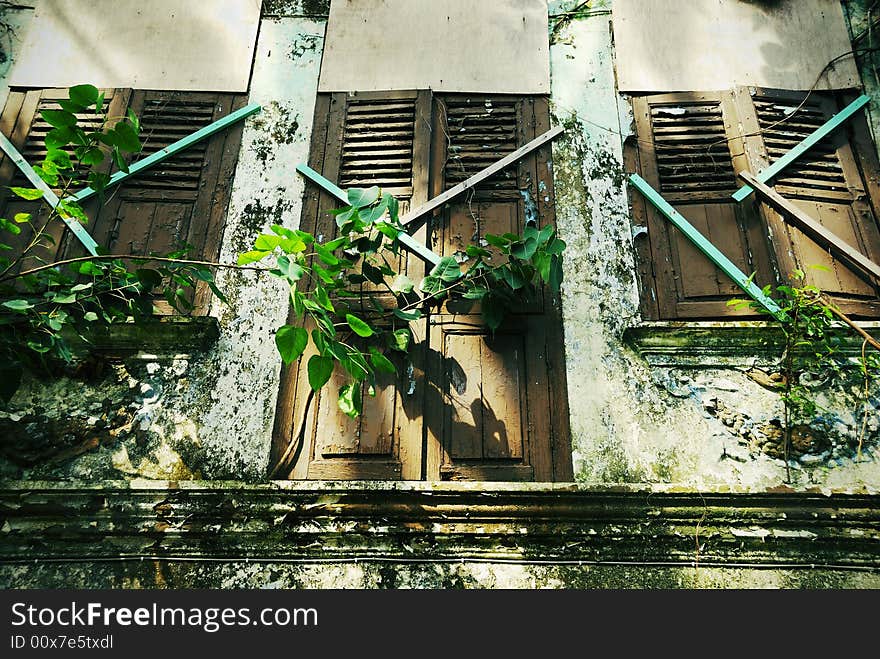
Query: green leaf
350	399
119	159
415	314
74	210
402	284
370	215
359	198
133	118
58	158
473	251
291	342
545	234
90	316
524	250
447	270
21	218
476	293
556	273
325	255
399	340
251	257
431	285
148	278
84	95
92	157
70	106
372	273
512	278
556	247
320	370
126	138
27	193
266	242
393	207
358	326
496	241
18	305
346	216
59	118
387	230
292	245
380	361
293	271
68	298
59	137
542	262
10	227
323	299
492	312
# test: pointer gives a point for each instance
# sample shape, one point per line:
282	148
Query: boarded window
689	147
178	203
470	405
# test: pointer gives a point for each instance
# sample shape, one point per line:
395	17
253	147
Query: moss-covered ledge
161	335
728	343
555	524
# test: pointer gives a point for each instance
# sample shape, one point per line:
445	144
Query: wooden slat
811	227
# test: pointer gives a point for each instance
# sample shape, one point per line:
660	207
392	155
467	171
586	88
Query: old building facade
627	433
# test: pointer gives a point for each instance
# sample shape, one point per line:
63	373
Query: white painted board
500	46
708	45
159	44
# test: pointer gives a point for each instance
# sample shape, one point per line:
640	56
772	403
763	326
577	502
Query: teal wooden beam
411	244
172	149
705	246
48	195
811	140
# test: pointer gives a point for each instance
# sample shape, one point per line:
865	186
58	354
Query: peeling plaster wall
18	19
211	415
631	422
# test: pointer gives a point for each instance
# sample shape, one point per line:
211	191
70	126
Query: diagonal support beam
481	176
174	148
48	195
810	141
819	234
411	244
705	246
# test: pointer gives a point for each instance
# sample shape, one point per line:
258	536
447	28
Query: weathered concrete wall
863	21
423	535
208	414
179	415
15	20
706	426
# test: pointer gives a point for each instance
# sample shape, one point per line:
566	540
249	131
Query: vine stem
130	257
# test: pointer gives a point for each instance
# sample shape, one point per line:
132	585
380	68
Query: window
182	200
471	405
690	146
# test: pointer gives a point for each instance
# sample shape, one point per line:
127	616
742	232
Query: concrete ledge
734	343
163	335
432	522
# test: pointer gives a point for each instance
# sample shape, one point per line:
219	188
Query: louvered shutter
828	182
479	131
24	125
183	199
360	140
496	406
689	150
490	407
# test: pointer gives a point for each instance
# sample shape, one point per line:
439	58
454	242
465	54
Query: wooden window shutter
501	413
835	183
22	122
689	150
497	402
182	200
359	140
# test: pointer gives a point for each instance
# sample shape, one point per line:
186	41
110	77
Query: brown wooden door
828	182
689	149
469	405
